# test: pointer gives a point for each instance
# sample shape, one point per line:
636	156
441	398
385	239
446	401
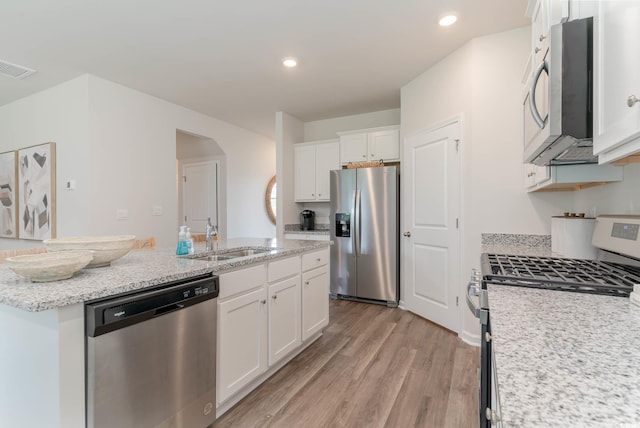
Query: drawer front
315	259
280	269
241	280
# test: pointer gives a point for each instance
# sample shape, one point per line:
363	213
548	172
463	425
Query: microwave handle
532	94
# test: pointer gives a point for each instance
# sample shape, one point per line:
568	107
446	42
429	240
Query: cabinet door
384	145
617	79
327	159
305	173
284	318
242	341
353	148
315	301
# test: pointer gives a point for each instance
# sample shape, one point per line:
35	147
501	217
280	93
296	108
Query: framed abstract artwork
8	195
37	192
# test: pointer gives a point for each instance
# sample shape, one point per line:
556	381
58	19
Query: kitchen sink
245	252
232	254
215	257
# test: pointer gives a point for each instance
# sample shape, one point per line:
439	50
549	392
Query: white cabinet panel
617	80
370	145
284	318
315	301
242	341
312	163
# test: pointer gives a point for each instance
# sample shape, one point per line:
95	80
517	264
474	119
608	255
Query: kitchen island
42	324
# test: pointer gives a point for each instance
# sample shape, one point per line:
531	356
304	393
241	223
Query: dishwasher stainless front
151	356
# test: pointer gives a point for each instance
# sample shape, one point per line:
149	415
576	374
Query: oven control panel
618	233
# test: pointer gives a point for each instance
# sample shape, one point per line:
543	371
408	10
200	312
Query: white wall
481	83
59	114
289	130
328	128
120	146
615	198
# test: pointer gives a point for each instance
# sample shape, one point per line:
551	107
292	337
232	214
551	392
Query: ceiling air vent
14	71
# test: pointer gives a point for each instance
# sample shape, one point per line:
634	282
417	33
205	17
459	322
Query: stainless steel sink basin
215	257
245	252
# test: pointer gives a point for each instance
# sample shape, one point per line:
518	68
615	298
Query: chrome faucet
210	235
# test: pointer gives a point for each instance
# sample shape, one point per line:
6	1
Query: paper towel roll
571	237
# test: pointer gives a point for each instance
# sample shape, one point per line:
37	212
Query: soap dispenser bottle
190	248
182	248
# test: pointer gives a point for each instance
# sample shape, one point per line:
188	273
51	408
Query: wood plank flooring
373	367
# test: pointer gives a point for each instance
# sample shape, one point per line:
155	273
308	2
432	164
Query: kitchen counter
565	359
136	270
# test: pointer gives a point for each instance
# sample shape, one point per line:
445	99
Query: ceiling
223	57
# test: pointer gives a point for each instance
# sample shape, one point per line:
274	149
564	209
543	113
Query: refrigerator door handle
358	222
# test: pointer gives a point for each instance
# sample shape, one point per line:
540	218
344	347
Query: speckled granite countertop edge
137	270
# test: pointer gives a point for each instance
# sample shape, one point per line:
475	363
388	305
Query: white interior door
431	246
200	194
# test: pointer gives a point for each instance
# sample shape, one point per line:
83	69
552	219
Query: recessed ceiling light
448	20
289	62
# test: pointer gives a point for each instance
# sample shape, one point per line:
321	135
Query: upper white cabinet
569	177
312	163
616	80
370	145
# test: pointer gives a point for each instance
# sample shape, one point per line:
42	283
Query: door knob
632	100
407	234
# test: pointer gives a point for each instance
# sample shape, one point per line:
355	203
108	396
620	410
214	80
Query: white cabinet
312	163
616	80
242	331
569	177
315	292
284	307
370	145
284	318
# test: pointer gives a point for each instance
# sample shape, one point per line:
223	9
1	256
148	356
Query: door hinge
185	218
184	178
457	144
456	300
457	223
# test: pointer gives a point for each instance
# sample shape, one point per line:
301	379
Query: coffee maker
307	220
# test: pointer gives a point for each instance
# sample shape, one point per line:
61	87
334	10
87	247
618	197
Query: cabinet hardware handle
318	259
263	301
632	100
274	297
306	283
407	234
537	49
364	156
542	37
319	194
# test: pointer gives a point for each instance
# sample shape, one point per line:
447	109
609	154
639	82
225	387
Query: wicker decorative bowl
106	248
44	267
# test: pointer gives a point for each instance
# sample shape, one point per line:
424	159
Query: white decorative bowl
106	248
44	267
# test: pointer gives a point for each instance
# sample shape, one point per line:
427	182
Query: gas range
614	273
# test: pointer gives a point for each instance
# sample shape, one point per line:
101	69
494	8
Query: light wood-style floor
373	367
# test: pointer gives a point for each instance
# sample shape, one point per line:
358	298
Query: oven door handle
481	314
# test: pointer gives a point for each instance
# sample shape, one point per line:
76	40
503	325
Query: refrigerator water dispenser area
343	225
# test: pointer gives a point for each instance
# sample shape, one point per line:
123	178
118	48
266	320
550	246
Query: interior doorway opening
200	182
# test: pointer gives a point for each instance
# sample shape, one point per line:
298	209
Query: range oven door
488	394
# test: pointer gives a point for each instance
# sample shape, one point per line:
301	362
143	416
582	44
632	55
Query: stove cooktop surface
582	276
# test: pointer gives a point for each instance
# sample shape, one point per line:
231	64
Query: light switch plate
156	210
122	214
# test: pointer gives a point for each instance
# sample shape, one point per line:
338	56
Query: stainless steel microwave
558	106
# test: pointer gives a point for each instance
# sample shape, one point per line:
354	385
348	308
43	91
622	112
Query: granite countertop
320	229
136	270
519	245
565	359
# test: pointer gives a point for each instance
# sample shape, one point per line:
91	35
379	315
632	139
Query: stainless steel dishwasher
151	356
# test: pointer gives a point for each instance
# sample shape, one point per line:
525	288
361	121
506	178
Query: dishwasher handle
116	312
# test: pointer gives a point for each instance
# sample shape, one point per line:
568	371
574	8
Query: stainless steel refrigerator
364	221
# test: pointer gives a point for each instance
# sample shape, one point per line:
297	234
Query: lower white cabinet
242	341
315	293
284	318
265	314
